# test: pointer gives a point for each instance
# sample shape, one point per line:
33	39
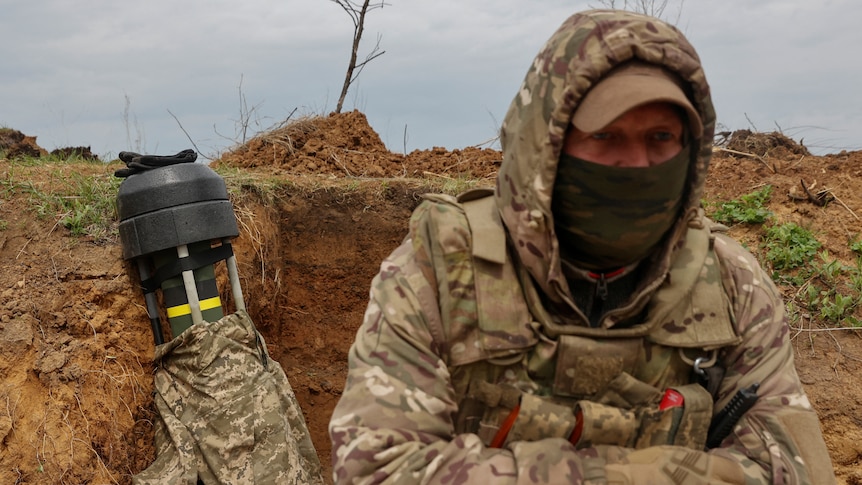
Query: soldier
583	322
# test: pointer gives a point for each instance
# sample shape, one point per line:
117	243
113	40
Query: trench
306	261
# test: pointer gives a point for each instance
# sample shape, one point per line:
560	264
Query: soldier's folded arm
395	420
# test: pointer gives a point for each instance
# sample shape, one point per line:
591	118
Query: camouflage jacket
422	350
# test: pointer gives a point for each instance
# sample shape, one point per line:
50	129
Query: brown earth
320	203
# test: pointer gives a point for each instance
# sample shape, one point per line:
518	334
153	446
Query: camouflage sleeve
778	440
394	421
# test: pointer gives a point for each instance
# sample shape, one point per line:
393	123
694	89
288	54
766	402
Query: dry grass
292	135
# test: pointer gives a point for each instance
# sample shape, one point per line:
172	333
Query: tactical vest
510	346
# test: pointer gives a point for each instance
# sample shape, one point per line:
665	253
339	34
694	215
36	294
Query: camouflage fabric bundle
227	412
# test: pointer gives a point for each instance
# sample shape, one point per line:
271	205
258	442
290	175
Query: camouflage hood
575	58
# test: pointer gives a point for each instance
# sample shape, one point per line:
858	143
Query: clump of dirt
16	144
84	153
344	144
76	347
773	144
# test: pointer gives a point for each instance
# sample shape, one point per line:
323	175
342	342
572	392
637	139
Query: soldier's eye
662	136
601	135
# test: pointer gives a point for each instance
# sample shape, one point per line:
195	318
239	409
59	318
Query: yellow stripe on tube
180	310
210	303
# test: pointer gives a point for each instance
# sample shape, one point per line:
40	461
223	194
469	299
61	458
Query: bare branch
187	136
374	54
357	13
653	8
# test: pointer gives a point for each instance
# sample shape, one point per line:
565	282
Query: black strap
136	163
711	379
192	262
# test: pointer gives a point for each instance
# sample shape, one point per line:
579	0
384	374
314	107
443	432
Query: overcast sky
108	74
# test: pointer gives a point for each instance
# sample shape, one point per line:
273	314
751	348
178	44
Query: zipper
602	282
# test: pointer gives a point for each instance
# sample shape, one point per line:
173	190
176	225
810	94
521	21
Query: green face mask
608	217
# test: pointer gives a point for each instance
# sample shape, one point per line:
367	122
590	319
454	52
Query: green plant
831	290
84	204
856	277
812	296
828	269
792	311
92	209
79	218
789	246
837	307
748	209
856	246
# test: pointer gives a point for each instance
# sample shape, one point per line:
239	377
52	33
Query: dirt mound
84	153
773	144
344	144
16	144
75	342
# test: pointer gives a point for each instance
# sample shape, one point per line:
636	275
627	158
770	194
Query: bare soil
320	203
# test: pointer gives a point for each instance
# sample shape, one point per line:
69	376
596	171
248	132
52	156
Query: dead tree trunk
357	14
